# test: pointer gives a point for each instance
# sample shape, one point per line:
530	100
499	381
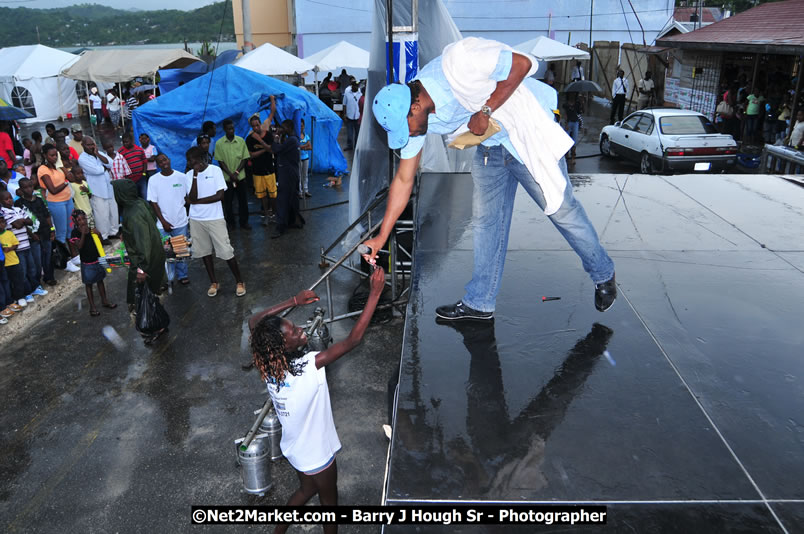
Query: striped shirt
11	215
135	156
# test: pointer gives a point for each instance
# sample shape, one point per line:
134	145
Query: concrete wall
269	22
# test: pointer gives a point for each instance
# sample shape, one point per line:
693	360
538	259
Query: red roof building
771	28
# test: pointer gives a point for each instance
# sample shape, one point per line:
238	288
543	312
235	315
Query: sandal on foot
184	281
110	305
241	290
94	313
213	290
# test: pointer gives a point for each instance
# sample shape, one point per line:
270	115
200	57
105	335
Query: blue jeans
495	184
60	213
28	269
572	130
46	246
352	129
179	268
5	288
36	258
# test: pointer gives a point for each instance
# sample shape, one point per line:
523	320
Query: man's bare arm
398	196
520	66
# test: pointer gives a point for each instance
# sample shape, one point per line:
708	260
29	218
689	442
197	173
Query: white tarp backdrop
30	79
370	167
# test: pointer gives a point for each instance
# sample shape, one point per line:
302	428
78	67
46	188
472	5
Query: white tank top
309	437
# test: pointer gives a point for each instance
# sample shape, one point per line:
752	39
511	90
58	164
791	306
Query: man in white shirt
113	107
646	90
577	72
97	105
618	91
96	169
207	224
473	80
168	193
351	101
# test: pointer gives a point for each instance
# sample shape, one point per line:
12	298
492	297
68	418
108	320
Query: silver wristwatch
485	110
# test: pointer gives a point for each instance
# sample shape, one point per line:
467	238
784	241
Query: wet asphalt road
97	439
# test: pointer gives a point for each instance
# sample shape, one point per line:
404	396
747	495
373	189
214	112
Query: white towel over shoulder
539	140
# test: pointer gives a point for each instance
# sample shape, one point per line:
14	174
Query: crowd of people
757	115
64	198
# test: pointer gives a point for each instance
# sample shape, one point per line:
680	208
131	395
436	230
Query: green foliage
95	25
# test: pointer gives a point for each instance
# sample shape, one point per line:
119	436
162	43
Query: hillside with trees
96	25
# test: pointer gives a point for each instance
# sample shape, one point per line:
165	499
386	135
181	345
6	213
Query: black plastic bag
59	255
151	315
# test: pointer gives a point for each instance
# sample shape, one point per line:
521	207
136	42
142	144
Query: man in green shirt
232	155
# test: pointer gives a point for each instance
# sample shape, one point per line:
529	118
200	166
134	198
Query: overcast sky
120	4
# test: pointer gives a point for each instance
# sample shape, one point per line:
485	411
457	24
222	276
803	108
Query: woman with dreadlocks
297	384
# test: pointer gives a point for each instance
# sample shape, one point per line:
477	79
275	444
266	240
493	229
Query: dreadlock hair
270	355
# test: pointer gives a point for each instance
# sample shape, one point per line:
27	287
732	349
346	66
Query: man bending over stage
474	80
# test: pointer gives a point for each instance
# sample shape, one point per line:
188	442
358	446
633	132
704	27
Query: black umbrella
583	86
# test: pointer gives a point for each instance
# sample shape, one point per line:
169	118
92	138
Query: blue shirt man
477	73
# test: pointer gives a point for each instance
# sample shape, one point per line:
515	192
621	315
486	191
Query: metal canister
272	428
255	465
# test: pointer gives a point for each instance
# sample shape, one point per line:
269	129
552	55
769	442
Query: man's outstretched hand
304	297
479	123
374	244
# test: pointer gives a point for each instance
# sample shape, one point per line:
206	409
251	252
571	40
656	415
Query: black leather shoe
605	294
459	310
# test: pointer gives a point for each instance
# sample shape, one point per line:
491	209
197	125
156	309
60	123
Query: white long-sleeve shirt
539	141
97	175
620	86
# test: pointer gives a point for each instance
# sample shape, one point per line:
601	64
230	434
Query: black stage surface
681	408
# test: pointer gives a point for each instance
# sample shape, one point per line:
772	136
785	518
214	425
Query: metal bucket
255	465
272	428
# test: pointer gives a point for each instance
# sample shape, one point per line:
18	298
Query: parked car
667	140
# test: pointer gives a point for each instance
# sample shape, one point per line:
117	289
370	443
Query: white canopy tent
272	61
30	79
120	65
339	55
547	49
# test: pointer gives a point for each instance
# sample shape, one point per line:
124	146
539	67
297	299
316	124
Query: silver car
667	140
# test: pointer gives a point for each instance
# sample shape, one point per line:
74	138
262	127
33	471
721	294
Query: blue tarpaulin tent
174	120
169	79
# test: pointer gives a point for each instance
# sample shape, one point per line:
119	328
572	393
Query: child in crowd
81	193
120	168
150	154
305	146
297	383
13	271
42	233
92	272
17	221
27	156
5	291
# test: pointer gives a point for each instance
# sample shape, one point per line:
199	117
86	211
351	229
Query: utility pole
591	44
292	25
248	45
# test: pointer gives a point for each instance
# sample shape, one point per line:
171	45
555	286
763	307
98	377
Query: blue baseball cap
391	107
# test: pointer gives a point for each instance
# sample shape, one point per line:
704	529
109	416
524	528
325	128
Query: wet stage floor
681	408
